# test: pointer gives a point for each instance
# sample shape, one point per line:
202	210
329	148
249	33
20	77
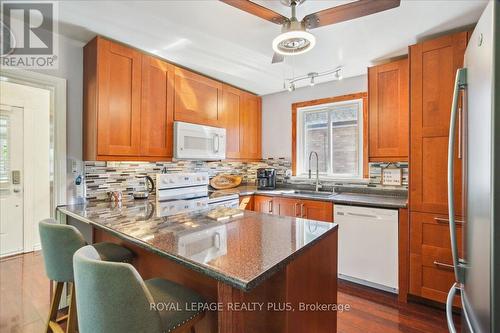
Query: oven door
198	142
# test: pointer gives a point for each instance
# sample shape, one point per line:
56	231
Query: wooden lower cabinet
317	210
265	204
288	207
246	202
309	209
431	264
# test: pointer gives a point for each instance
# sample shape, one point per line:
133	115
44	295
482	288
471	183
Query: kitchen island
258	272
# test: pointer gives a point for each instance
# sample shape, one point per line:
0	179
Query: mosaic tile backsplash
102	177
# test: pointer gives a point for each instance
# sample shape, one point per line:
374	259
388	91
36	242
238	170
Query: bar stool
113	298
59	244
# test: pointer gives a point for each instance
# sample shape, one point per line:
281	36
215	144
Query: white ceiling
223	42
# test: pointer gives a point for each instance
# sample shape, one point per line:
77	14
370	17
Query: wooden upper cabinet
131	99
388	111
230	113
251	127
157	116
433	65
197	98
112	100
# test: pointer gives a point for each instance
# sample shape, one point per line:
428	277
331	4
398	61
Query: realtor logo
29	35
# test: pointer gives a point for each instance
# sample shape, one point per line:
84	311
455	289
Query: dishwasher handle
363	215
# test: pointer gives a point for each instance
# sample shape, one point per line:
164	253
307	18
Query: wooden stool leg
54	305
71	324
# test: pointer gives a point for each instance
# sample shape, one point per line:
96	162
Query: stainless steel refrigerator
478	84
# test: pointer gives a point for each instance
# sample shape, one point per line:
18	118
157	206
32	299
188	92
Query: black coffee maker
266	178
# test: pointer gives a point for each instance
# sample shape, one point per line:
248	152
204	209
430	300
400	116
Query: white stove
184	192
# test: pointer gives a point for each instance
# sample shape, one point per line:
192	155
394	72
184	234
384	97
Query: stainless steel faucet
318	185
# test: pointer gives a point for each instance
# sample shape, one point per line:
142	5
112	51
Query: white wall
71	68
277	111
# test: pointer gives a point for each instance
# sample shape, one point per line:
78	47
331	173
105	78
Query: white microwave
199	142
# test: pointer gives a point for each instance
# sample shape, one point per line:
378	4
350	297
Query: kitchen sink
301	193
311	193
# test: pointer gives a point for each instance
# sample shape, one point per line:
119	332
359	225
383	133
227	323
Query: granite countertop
248	249
346	198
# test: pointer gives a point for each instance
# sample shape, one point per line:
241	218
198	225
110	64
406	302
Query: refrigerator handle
449	308
460	83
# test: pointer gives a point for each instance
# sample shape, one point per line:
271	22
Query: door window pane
4	149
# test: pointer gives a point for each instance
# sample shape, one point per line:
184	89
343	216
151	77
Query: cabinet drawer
431	270
430	279
430	235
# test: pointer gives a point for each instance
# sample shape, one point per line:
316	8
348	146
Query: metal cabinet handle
446	221
302	210
443	265
270	208
295	209
460	84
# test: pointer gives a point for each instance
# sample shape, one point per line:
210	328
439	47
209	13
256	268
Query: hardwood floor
24	294
24	304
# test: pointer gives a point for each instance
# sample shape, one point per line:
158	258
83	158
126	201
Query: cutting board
223	182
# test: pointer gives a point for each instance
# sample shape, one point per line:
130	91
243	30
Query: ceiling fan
295	38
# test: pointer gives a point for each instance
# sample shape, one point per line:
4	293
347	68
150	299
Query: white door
11	180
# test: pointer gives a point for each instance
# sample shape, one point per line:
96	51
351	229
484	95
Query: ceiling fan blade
277	58
257	10
348	11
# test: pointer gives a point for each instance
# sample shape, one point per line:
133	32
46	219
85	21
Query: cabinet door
431	263
231	101
388	111
265	204
119	100
432	75
197	98
157	114
251	128
316	210
288	207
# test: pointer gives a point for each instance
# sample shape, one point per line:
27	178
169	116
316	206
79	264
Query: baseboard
37	247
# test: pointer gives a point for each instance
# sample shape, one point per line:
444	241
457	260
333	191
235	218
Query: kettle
149	187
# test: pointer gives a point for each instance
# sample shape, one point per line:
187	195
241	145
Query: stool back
111	297
59	244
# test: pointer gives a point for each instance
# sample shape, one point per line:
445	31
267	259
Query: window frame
300	111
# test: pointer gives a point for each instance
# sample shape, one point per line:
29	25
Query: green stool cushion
113	252
168	293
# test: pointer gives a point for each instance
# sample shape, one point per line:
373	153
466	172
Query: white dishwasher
368	246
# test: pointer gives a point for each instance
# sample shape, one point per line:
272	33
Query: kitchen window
335	132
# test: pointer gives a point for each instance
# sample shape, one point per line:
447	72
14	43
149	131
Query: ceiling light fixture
289	84
294	39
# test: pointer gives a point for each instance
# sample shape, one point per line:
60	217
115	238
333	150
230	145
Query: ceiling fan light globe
294	42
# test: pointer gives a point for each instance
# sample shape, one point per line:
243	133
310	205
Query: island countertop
248	249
